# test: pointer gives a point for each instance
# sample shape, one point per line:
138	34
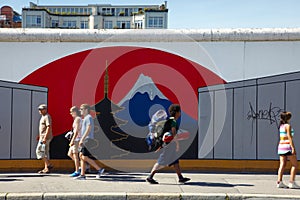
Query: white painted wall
233	54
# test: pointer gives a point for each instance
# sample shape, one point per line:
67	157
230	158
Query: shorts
40	154
289	153
169	156
74	148
85	152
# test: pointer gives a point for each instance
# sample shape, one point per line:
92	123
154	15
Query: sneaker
184	180
100	172
74	174
293	185
281	185
151	181
80	177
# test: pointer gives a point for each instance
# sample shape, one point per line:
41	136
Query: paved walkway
133	186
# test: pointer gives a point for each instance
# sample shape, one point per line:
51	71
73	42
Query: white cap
42	106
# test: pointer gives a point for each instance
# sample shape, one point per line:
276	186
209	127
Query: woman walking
73	152
286	150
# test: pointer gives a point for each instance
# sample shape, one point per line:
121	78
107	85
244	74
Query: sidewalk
133	186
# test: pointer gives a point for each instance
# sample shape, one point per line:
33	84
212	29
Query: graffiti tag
270	114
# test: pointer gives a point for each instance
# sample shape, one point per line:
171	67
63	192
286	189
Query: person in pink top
286	150
73	152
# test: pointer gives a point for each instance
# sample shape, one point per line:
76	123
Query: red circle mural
79	78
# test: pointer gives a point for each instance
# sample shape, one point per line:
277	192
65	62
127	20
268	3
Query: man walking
87	133
168	155
44	138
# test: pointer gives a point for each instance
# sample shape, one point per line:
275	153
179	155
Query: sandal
44	171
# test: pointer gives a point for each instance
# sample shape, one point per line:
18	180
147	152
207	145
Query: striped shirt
284	145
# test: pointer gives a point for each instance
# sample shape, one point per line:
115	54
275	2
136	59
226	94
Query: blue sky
209	14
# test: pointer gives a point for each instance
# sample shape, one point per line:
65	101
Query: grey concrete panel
37	99
270	104
244	123
293	105
279	78
21	120
206	125
233	85
8	84
223	124
5	122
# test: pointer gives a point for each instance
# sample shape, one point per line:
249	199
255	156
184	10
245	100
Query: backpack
156	136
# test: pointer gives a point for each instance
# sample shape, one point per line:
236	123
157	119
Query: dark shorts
287	154
86	152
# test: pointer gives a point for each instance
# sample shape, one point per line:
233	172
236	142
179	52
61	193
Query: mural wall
128	76
240	120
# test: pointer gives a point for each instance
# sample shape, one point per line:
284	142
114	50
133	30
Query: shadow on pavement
206	184
9	179
29	175
121	178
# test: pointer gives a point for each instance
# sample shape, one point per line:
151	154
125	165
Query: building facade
96	16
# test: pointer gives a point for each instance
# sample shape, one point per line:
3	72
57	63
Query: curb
140	196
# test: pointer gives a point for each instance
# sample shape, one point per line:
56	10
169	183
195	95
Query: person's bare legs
155	169
293	160
82	165
86	159
283	161
76	161
47	163
178	170
74	157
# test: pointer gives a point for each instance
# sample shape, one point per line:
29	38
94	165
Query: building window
118	10
54	23
69	24
107	11
138	24
108	25
155	22
81	11
33	20
123	24
84	25
126	12
113	11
